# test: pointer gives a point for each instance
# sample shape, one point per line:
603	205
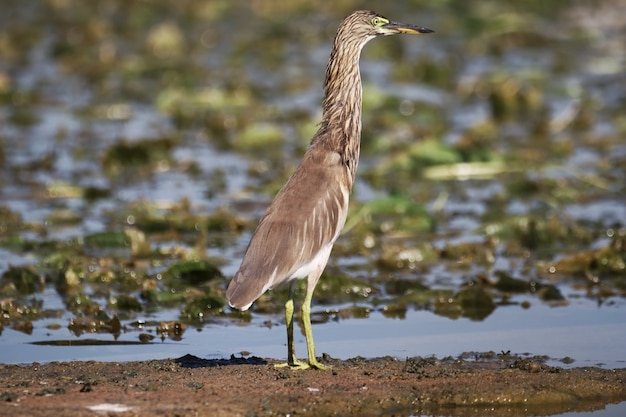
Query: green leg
308	332
292	361
291	350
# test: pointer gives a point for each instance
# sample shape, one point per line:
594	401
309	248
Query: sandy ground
189	386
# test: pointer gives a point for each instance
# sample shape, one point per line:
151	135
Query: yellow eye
377	21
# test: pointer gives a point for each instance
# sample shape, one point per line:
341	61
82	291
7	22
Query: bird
295	235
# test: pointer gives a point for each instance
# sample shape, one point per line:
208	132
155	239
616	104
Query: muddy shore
496	384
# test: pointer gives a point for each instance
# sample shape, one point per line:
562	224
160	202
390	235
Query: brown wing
307	214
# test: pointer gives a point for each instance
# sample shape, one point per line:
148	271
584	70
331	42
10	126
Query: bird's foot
316	365
298	365
293	365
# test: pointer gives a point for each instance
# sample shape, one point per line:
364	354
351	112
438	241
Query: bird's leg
291	349
306	322
292	361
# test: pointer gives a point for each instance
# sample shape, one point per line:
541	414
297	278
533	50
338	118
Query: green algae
259	137
507	283
609	260
20	280
96	322
191	273
10	221
107	240
202	306
138	156
125	303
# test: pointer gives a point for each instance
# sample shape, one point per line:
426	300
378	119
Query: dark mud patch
481	385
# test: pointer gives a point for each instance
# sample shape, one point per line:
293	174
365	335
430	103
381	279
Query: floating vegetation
98	322
609	260
20	280
171	329
395	256
259	136
10	221
396	213
107	240
15	312
125	303
138	153
137	156
191	273
508	284
205	305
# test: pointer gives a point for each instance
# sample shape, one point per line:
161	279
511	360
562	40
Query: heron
296	234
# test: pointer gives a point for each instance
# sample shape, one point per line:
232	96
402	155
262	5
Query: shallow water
590	335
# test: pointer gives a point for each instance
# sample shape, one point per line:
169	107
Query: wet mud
475	385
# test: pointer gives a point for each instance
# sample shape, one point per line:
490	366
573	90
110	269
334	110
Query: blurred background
140	141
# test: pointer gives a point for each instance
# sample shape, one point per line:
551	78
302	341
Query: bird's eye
377	21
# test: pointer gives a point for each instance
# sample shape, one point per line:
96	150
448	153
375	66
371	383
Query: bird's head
372	24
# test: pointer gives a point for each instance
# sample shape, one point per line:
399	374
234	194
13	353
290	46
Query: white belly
317	263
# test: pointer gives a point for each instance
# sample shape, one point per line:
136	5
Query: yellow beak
395	27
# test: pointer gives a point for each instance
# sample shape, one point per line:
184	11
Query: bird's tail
241	294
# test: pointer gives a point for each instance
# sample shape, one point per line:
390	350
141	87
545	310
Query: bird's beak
395	27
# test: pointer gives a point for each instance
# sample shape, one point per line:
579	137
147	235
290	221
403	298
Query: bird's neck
342	87
341	109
